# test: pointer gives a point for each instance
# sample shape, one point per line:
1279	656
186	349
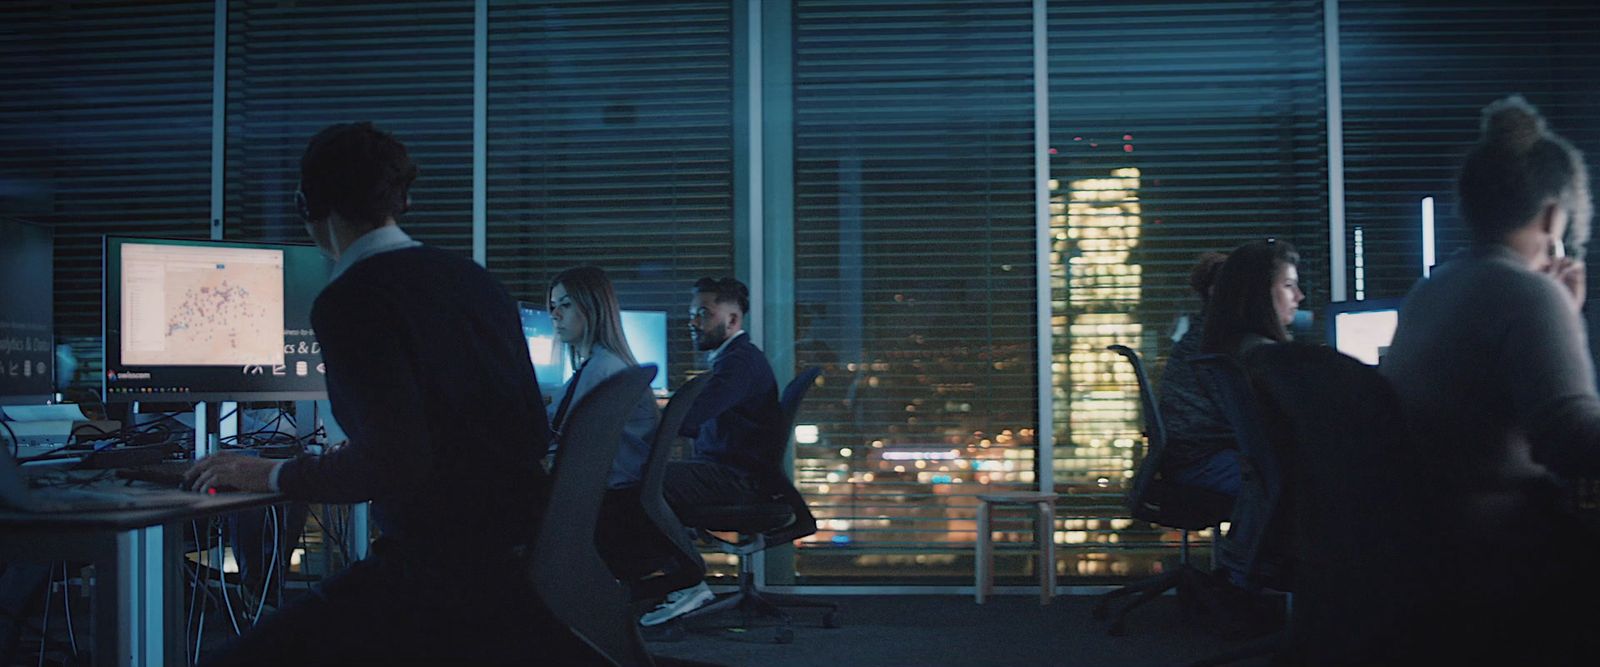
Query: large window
106	120
914	264
610	143
1415	78
1174	129
295	68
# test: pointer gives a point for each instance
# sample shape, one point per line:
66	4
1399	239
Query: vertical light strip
480	124
757	221
1428	256
1044	436
219	106
1361	264
1335	105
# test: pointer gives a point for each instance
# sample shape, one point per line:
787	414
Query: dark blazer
736	421
429	375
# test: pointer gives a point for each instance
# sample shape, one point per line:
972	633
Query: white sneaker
678	603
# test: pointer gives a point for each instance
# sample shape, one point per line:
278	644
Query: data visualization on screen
202	306
193	320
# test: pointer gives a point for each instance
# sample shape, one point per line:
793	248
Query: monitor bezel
188	396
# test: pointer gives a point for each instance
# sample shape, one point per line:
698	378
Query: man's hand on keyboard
229	470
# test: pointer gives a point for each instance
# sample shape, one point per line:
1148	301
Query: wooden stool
1043	534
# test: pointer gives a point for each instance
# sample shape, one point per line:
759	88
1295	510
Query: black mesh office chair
686	567
1257	541
1162	502
567	570
1359	524
760	527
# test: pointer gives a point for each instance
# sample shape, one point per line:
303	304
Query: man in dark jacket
428	373
736	423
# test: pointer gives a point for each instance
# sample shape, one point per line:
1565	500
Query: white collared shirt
380	240
718	352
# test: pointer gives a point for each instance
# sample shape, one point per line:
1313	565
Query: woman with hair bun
1493	371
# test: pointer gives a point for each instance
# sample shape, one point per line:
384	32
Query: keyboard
165	473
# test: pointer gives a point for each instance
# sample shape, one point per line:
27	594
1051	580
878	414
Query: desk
136	597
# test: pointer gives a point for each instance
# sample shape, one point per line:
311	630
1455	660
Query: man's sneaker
678	603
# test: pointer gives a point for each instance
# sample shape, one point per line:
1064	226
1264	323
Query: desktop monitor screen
646	331
211	321
1363	329
647	336
27	340
549	359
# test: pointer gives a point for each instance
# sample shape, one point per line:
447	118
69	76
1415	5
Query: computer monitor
1363	329
646	331
647	337
27	325
544	349
211	321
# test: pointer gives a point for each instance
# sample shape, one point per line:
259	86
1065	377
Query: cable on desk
44	632
16	445
266	584
194	592
222	582
66	599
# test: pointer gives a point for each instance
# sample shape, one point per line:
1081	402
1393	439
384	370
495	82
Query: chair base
752	603
1190	584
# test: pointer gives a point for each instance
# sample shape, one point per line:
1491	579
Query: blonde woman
588	321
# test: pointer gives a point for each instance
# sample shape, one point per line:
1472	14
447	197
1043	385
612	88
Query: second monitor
645	330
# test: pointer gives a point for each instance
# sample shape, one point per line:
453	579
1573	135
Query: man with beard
736	423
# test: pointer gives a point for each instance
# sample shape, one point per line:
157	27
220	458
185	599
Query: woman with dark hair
1254	298
1493	371
588	319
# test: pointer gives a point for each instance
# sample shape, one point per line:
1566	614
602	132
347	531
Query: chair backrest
1261	473
1151	498
1358	517
789	402
566	568
651	495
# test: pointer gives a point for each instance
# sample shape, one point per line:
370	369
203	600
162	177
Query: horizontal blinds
106	119
914	265
1176	129
296	67
1416	76
610	143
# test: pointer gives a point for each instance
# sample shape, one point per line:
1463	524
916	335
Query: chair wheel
785	636
830	620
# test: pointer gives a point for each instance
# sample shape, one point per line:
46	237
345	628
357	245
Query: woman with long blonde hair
588	320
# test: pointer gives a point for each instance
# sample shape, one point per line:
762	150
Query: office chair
1358	520
572	579
687	568
1162	502
760	527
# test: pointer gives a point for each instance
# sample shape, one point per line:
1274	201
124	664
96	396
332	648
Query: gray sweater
638	428
1493	372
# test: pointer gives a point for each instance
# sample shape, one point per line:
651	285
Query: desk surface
18	522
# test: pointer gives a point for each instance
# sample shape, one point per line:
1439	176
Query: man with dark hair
736	423
428	372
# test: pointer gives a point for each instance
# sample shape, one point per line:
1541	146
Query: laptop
15	494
